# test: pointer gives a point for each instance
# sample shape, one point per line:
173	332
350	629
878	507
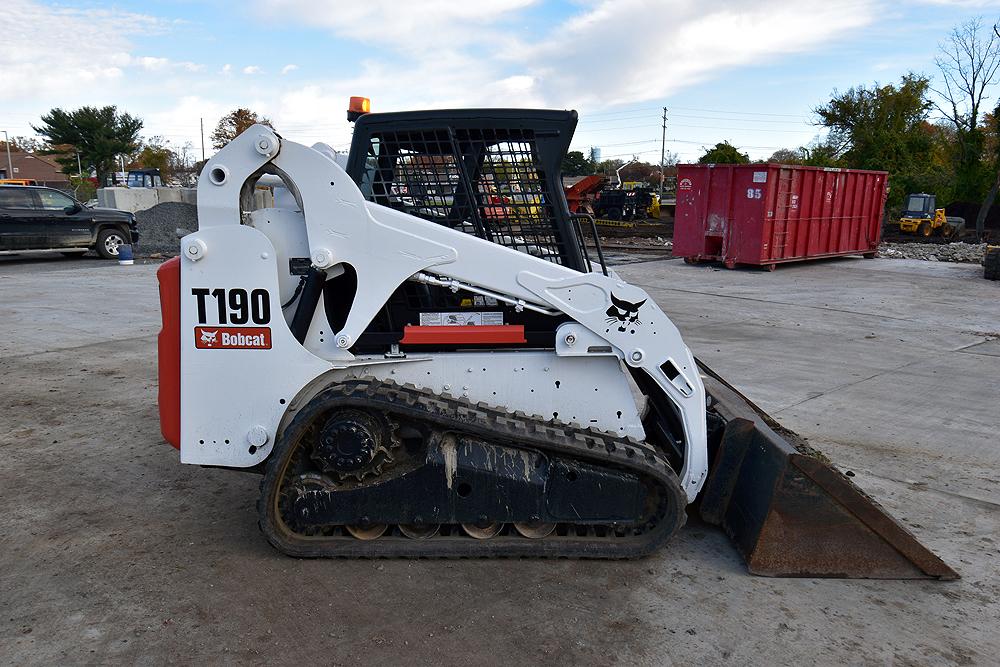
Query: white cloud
435	54
151	63
403	27
963	4
180	122
465	53
50	50
677	44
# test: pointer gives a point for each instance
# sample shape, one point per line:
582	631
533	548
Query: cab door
18	230
65	224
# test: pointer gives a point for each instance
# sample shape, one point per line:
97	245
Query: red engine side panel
169	351
463	335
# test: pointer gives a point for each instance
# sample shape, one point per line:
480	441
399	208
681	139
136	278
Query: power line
744	113
624	127
740	129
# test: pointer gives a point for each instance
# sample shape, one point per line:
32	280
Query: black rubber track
496	426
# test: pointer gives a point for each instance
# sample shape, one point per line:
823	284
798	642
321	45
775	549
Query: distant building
595	154
42	169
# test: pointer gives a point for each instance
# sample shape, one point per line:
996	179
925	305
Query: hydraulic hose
308	300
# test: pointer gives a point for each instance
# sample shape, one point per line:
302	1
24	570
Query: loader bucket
790	513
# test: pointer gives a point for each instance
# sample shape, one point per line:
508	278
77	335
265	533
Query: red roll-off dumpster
767	214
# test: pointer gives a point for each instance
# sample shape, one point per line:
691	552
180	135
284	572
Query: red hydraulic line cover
463	335
168	345
765	214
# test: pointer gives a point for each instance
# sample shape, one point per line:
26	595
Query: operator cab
919	206
144	178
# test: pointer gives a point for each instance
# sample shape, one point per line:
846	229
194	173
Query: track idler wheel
484	532
419	531
535	530
371	532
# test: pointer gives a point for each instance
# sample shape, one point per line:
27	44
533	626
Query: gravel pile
645	241
161	227
950	252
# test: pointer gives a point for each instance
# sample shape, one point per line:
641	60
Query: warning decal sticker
461	319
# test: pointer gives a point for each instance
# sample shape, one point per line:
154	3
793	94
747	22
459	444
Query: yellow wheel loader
415	373
922	218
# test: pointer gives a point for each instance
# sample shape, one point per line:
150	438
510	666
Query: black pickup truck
37	218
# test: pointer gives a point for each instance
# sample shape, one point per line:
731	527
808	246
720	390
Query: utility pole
202	139
79	166
663	152
10	165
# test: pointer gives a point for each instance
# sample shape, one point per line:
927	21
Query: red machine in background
766	214
581	194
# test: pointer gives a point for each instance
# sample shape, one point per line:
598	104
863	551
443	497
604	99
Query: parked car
38	218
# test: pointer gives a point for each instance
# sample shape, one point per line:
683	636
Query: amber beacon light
358	107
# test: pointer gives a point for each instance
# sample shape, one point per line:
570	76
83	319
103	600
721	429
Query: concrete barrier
140	199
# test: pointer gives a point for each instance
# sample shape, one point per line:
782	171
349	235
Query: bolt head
636	356
257	436
570	339
195	250
266	145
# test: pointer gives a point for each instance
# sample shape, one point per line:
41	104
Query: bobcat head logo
623	313
208	337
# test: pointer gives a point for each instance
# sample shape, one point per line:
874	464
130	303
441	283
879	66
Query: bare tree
969	62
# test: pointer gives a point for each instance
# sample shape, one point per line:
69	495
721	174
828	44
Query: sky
746	72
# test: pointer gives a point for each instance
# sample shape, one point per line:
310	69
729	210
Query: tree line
98	140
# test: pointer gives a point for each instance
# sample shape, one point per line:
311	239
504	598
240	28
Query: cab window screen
484	182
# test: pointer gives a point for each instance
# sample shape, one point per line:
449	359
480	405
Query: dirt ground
114	552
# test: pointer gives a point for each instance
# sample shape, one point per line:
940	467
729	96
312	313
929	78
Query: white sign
760	177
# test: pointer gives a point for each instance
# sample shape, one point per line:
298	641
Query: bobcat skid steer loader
420	355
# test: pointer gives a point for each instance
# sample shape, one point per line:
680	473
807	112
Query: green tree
991	156
608	167
820	154
83	188
882	127
577	164
235	123
642	172
98	135
724	153
787	156
155	154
